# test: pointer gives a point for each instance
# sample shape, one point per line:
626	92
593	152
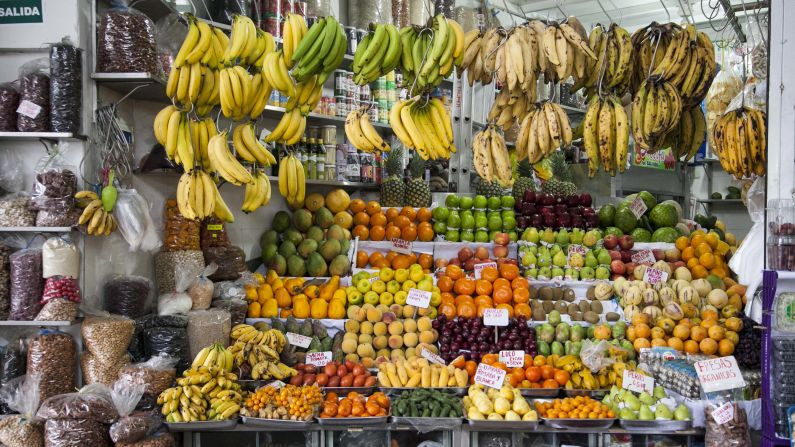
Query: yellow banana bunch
650	45
741	142
235	92
511	105
203	392
243	41
292	181
201	132
98	222
656	109
289	129
606	135
613	63
294	31
214	355
224	163
307	95
361	133
543	130
248	146
258	193
258	99
424	126
686	138
275	70
490	156
196	195
174	130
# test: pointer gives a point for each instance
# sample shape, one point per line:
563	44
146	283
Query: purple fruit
585	199
529	196
561	208
572	200
529	208
587	211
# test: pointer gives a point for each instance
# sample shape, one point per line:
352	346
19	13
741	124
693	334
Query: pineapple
418	193
560	184
524	181
392	188
488	189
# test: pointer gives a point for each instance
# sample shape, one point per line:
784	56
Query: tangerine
464	286
707	260
357	206
424	215
378	219
483	287
520	283
391	255
676	343
521	295
373	207
523	310
489	274
502	295
425	260
533	373
507	307
409	212
409	233
682	242
361	259
509	271
454	272
402	221
725	347
501	282
691	347
425	232
361	232
374	256
392	232
391	214
377	233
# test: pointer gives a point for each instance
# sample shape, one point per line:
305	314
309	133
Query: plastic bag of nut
127	295
98	371
79	419
126	41
55	183
206	327
129	428
21	430
107	336
26	284
58	309
163	439
15	211
5	275
66	86
156	375
9	102
213	233
726	421
167	263
52	355
201	290
180	233
231	262
33	113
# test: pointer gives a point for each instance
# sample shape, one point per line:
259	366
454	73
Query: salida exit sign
21	11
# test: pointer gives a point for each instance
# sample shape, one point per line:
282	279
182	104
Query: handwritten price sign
495	317
479	268
276	384
653	276
644	257
318	358
433	358
637	382
489	376
719	374
302	341
512	359
401	246
724	413
638	207
418	298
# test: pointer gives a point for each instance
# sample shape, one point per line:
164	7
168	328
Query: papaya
336	310
318	308
270	309
301	308
254	310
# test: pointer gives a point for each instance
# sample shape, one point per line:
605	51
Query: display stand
769	284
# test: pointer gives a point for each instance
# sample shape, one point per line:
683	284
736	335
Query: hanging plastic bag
55	183
178	301
135	222
126	41
26	284
9	102
33	113
60	257
156	375
231	262
23	429
724	88
66	87
201	289
128	428
748	260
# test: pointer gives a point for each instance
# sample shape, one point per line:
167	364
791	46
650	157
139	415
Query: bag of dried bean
23	429
33	113
126	41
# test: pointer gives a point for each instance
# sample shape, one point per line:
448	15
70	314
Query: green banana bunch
428	54
320	51
378	54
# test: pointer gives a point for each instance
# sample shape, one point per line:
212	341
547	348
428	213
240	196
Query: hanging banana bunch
606	135
292	181
361	132
258	192
379	53
427	54
319	50
490	156
423	125
248	147
98	220
741	142
685	139
545	129
612	65
656	109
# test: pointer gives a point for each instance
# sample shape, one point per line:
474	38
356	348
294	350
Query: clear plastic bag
104	372
107	336
127	295
92	402
9	101
58	309
180	233
177	301
22	430
163	439
750	254
76	433
126	41
26	284
33	113
60	257
201	289
213	233
226	10
724	88
595	355
733	432
55	183
206	327
5	276
15	211
231	262
135	222
155	375
128	428
48	218
52	355
66	87
13	360
171	32
361	13
12	179
167	262
60	287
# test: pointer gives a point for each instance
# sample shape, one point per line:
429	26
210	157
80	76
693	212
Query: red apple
626	242
611	241
482	252
500	251
441	263
626	256
464	254
455	261
678	264
502	239
630	267
658	254
615	255
469	264
617	267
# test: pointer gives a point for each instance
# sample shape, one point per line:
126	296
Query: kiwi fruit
584	306
612	316
548	306
546	293
560	306
558	293
591	317
539	314
568	295
572	308
591	293
576	316
533	293
596	306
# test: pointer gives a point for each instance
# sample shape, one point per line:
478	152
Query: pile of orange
393	260
538	371
500	288
580	407
704	254
371	222
709	334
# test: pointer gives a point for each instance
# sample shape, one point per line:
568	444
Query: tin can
383	115
283	99
340	81
273	25
377	167
329	135
301	9
373	111
350	86
331	106
352	35
365	93
398	80
342	106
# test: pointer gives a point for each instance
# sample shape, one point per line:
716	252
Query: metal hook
666	10
679	2
604	11
508	11
558	7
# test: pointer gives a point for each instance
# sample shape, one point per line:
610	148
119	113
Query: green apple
425	285
482	236
439	227
452	201
480	202
481	221
363	285
371	298
465	203
436	298
440	214
467	236
452	235
513	235
508	223
392	286
467	220
495	223
454	221
355	297
507	202
494	203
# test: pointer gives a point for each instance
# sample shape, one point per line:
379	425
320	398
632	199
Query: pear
548	236
632	402
512	416
530	416
495	417
559	260
645	413
532	235
659	392
663	412
628	414
646	398
562	237
614	391
682	413
590	260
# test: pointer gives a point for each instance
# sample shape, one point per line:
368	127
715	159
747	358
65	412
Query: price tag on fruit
318	358
495	317
29	109
575	249
302	341
433	358
401	246
653	276
512	359
418	298
644	257
276	384
490	376
724	413
638	207
637	382
719	374
479	268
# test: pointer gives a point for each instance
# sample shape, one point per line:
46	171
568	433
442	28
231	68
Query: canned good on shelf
383	115
273	25
331	106
329	135
275	99
373	111
350	86
342	106
352	35
340	83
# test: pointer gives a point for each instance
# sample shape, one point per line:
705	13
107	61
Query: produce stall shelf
336	184
719	201
144	86
36	229
18	136
157	9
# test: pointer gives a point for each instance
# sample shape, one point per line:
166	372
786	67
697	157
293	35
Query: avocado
340	266
296	266
269	237
316	265
335	232
278	264
306	328
330	249
315	233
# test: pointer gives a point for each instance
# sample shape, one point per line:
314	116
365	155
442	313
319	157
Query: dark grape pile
749	349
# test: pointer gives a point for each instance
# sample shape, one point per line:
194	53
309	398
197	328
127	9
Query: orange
708	323
698	333
361	218
725	347
521	295
425	260
373	207
502	295
502	282
708	346
361	232
489	359
402	221
707	260
361	259
688	253
471	366
709	314
547	372
380	263
550	383
464	286
377	233
676	343
391	214
509	271
699	272
454	272
445	283
424	215
483	287
719	272
703	248
425	232
483	300
658	342
681	331
657	332
682	242
692	263
378	219
392	232
641	343
532	373
561	377
696	239
489	274
409	212
716	333
401	262
391	255
508	307
691	347
642	330
523	310
448	297
357	206
409	233
520	283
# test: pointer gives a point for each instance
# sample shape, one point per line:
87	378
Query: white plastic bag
178	301
135	222
749	259
60	258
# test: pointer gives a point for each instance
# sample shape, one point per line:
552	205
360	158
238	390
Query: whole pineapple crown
394	164
416	166
560	168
